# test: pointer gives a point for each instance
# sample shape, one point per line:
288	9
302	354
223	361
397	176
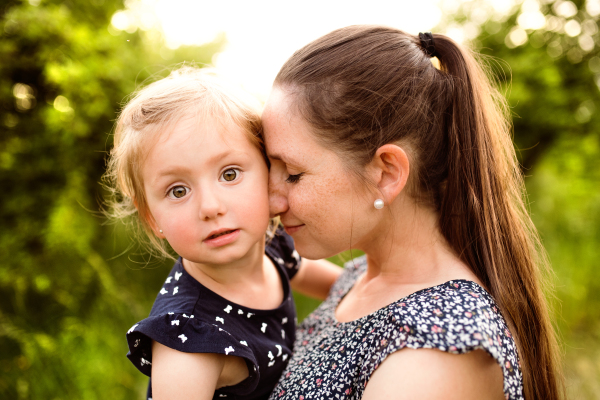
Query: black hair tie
428	44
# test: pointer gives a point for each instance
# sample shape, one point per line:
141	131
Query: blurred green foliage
69	284
66	298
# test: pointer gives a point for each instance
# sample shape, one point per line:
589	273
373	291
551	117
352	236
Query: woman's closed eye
294	178
178	192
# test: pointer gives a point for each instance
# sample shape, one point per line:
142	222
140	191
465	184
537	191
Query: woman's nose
278	203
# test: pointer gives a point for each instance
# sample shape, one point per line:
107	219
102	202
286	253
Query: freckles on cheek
307	205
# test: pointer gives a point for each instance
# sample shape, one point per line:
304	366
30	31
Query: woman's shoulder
456	316
460	311
473	375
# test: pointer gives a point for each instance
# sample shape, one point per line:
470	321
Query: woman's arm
429	374
315	277
194	376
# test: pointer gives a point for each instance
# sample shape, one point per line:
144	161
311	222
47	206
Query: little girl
189	159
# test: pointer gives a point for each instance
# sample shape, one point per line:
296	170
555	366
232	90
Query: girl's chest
269	334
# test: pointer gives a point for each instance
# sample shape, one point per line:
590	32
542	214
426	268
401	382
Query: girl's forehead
191	131
193	147
219	127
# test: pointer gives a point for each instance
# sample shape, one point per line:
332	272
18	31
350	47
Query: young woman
374	148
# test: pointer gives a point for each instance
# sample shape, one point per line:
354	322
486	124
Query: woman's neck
406	252
408	248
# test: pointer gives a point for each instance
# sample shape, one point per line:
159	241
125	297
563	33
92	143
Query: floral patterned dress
334	360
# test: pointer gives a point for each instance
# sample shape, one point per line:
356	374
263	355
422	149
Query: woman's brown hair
361	87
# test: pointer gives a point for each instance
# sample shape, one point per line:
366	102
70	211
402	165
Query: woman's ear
391	168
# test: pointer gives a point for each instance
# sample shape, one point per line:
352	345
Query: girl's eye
294	178
229	175
178	192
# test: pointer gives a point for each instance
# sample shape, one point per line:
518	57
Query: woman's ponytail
483	216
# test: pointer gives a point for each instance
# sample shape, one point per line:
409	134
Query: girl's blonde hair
154	109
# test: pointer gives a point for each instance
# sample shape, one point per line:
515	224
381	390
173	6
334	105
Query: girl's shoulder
190	318
180	319
183	333
280	249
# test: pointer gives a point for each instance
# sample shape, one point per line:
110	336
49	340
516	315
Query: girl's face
322	206
206	186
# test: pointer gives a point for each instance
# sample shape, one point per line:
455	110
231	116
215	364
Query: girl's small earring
378	204
160	230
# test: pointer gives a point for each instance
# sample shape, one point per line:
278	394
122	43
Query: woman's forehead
287	135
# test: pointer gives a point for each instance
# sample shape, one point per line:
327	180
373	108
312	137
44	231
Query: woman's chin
312	250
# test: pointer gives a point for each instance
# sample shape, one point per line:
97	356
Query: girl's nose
211	206
278	203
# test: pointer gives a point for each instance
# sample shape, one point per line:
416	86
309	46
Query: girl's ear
391	167
157	231
147	216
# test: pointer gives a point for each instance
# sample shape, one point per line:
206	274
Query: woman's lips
292	229
223	240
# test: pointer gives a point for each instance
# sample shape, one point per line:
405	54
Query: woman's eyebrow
279	157
283	159
274	156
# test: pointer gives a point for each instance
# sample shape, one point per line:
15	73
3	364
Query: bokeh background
71	284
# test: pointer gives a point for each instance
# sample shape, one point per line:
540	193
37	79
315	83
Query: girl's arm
430	374
315	277
194	376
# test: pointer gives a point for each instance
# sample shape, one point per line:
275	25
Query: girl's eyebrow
181	169
173	171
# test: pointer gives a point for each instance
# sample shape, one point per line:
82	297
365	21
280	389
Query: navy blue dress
188	317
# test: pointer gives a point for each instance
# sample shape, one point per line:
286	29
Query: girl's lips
223	239
292	229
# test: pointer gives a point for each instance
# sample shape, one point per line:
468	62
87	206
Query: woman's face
321	204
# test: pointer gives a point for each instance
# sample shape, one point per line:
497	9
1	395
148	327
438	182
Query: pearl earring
160	230
378	204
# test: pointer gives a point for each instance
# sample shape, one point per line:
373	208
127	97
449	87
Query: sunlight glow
531	17
262	34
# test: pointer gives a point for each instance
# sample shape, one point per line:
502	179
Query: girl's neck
240	270
251	281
